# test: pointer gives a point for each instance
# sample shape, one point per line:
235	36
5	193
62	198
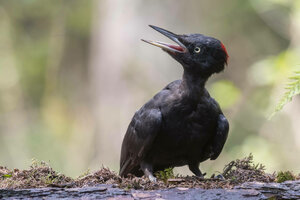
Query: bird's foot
152	178
220	176
201	176
217	177
147	169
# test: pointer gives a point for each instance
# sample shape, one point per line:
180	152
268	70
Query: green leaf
292	89
7	176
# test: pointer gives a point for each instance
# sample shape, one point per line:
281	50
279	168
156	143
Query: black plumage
182	124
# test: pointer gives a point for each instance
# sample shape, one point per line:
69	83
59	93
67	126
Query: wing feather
220	137
139	137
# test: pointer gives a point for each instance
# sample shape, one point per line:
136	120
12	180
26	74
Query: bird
182	124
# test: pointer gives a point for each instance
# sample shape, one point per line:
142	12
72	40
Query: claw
220	176
147	169
152	179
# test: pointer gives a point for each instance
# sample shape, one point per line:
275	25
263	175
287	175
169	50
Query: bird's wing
139	137
220	137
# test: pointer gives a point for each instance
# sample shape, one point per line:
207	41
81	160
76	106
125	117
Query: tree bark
249	191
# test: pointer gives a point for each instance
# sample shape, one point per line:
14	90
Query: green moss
284	176
164	175
7	176
40	174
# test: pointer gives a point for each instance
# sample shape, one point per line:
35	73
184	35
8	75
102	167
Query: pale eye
197	50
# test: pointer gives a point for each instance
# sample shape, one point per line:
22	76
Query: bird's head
198	54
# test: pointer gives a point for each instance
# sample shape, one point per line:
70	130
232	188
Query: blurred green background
73	72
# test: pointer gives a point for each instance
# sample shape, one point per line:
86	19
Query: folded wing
139	137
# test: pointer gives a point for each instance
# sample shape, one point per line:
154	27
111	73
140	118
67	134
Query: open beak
168	47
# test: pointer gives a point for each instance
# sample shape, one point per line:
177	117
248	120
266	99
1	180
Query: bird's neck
193	85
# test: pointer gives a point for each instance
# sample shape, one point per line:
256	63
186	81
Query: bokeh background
73	72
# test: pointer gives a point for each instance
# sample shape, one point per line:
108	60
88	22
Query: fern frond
292	89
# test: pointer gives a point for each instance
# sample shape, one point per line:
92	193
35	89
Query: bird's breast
185	132
188	118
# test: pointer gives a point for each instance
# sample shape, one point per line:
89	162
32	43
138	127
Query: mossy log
249	191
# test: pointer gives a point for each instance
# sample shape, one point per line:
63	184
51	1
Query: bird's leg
194	167
148	171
